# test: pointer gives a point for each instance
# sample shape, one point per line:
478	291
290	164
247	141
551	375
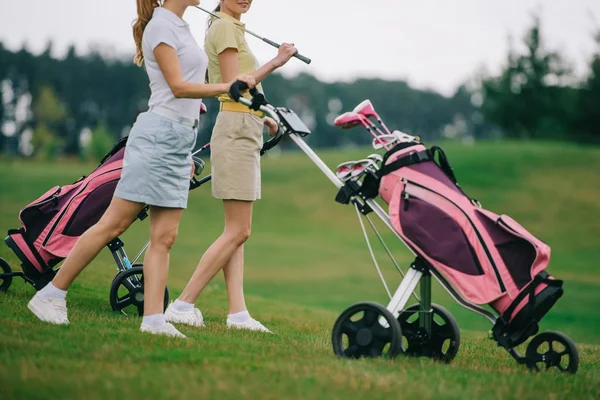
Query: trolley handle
258	103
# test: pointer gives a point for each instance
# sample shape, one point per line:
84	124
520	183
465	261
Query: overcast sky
435	43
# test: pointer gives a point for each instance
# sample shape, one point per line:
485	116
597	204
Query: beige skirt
235	156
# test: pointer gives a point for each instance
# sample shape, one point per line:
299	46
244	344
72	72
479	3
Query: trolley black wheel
444	342
552	349
127	291
358	333
5	276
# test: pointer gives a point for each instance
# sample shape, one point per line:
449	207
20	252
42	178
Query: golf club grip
297	55
302	58
236	89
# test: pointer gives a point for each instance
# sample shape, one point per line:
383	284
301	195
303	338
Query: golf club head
203	109
405	138
366	109
198	165
344	170
384	141
376	157
361	167
348	120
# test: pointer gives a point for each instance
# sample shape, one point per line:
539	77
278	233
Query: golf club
366	109
385	142
377	158
350	120
268	41
362	166
344	170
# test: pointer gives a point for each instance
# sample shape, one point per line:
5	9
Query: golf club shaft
268	41
374	127
367	126
383	125
206	146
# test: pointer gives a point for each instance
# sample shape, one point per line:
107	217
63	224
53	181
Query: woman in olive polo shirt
235	163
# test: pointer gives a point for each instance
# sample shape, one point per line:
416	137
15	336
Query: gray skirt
157	162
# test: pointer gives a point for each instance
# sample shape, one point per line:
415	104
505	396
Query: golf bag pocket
522	253
488	258
437	229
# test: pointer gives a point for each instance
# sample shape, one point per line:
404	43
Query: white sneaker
191	317
167	329
251	325
52	310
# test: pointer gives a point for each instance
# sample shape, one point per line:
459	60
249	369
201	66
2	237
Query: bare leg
238	219
234	280
164	223
117	218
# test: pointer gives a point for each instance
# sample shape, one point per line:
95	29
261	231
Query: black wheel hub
139	296
127	291
364	337
444	342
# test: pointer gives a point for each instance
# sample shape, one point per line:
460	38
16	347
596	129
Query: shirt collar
171	16
230	18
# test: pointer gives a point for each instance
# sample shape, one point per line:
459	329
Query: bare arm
229	64
168	62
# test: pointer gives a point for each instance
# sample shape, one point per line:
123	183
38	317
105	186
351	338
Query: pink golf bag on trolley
53	223
489	259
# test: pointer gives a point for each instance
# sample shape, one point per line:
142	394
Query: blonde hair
145	8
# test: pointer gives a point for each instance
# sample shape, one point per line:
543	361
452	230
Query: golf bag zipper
500	221
485	248
406	197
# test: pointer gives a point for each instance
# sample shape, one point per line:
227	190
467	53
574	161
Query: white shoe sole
247	328
183	322
163	333
41	316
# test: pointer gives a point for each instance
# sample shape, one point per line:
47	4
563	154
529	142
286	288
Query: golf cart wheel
444	342
360	332
552	349
127	291
5	275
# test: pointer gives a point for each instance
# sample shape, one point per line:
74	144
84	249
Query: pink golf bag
488	258
52	224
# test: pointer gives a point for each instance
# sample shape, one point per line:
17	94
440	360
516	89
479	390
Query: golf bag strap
443	162
118	146
540	278
414	158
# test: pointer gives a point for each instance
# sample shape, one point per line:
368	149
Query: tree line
81	104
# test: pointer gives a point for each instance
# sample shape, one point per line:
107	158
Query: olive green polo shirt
223	34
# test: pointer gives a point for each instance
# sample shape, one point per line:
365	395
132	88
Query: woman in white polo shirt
156	167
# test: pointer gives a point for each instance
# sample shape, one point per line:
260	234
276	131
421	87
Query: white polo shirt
166	27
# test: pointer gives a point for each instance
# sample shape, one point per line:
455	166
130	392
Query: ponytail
145	9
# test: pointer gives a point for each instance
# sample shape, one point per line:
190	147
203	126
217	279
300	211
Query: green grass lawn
305	263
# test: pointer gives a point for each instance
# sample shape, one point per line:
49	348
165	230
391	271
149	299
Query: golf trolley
429	330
